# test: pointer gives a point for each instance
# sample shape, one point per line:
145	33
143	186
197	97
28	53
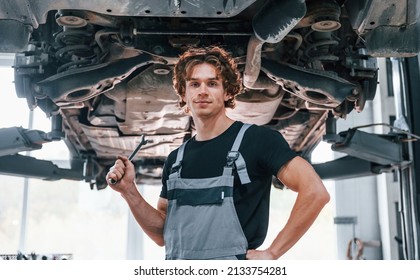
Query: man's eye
194	85
212	84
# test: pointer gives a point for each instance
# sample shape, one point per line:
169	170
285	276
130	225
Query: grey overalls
201	221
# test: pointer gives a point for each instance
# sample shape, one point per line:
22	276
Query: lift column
411	69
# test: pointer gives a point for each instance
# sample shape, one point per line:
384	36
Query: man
214	202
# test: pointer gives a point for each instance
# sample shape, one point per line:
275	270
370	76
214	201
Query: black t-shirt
264	150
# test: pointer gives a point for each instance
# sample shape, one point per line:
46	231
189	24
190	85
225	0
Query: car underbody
102	70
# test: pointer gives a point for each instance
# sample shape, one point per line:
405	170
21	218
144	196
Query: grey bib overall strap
201	220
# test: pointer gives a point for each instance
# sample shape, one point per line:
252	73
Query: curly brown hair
213	55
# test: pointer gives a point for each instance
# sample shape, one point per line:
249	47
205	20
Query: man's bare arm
150	219
299	176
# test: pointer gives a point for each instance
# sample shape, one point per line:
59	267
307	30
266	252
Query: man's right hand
122	173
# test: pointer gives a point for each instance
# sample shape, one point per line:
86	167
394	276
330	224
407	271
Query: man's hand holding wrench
123	167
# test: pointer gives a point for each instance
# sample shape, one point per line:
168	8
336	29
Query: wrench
142	142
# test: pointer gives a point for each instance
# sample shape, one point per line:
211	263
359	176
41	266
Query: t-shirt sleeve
276	151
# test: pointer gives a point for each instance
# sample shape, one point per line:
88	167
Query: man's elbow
157	238
160	242
322	196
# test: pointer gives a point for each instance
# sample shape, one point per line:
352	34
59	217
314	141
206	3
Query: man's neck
210	128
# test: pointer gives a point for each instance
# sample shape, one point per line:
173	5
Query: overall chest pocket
207	196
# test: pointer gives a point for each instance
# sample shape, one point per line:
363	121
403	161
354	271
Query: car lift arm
17	139
367	154
25	166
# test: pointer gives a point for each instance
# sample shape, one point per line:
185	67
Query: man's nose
203	88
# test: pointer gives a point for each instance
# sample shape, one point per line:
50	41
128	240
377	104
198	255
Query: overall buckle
231	158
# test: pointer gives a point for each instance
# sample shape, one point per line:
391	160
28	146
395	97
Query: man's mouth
202	101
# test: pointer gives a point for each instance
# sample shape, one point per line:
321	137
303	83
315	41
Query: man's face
204	92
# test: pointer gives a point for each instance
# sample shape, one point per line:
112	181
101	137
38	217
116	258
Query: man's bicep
295	173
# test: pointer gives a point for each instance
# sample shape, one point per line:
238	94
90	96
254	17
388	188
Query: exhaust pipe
271	24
